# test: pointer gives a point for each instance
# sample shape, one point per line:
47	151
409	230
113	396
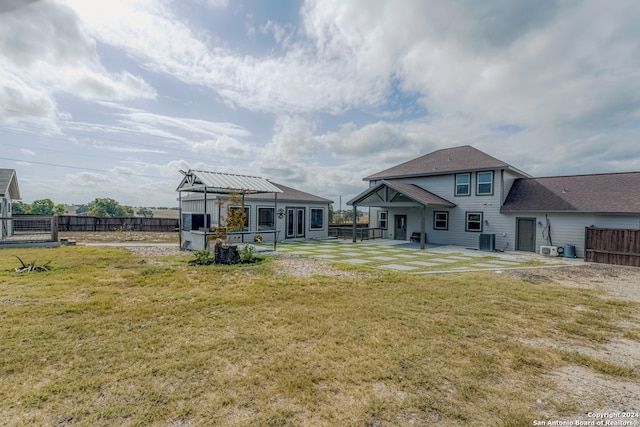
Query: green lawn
107	338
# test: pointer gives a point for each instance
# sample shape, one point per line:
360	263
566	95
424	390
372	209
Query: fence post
54	228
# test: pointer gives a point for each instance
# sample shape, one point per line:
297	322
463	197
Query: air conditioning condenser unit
549	250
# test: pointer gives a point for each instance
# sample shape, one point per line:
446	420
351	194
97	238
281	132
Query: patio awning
398	194
224	183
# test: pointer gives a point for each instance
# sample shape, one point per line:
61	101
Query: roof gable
412	193
597	193
9	184
448	160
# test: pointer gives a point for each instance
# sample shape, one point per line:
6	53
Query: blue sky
113	99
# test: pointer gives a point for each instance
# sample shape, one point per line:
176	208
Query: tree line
99	207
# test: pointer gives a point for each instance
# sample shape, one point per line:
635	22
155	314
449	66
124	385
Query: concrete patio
407	256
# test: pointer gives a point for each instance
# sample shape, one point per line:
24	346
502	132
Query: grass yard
107	338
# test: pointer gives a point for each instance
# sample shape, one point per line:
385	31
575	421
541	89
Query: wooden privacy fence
612	246
92	223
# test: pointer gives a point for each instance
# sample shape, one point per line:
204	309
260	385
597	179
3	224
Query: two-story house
452	195
462	196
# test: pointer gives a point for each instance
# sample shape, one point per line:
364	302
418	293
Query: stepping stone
352	253
443	260
406	256
326	256
356	261
423	263
325	250
398	267
504	262
383	258
461	258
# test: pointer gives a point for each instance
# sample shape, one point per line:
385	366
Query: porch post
275	220
180	219
206	225
422	227
355	219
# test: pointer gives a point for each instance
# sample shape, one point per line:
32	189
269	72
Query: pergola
195	181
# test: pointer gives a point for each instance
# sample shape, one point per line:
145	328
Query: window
266	219
484	183
317	219
474	221
382	219
441	220
245	227
463	181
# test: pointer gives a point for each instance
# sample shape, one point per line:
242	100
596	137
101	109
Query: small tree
42	207
109	208
145	212
20	208
236	217
59	209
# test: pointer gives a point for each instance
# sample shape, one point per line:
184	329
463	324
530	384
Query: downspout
422	227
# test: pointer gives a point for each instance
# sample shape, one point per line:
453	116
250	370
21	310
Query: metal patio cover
224	183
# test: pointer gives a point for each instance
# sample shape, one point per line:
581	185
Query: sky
114	98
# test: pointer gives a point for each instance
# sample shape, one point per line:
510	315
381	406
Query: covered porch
400	195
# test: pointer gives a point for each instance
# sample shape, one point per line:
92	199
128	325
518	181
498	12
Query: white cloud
44	51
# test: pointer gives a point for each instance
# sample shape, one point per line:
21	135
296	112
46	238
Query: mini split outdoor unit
549	250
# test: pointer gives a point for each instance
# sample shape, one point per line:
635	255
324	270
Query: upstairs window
484	183
463	184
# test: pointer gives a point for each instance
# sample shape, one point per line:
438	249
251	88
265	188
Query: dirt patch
289	265
593	392
121	236
616	281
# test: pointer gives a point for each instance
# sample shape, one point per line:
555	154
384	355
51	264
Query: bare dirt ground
120	237
592	391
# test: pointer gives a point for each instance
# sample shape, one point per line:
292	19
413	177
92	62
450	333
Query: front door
295	222
400	229
525	234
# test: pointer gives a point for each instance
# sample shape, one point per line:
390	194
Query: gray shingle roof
448	160
9	184
598	193
290	194
412	191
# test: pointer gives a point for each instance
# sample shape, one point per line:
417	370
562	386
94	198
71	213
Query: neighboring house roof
411	191
598	193
224	183
9	184
291	195
445	161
